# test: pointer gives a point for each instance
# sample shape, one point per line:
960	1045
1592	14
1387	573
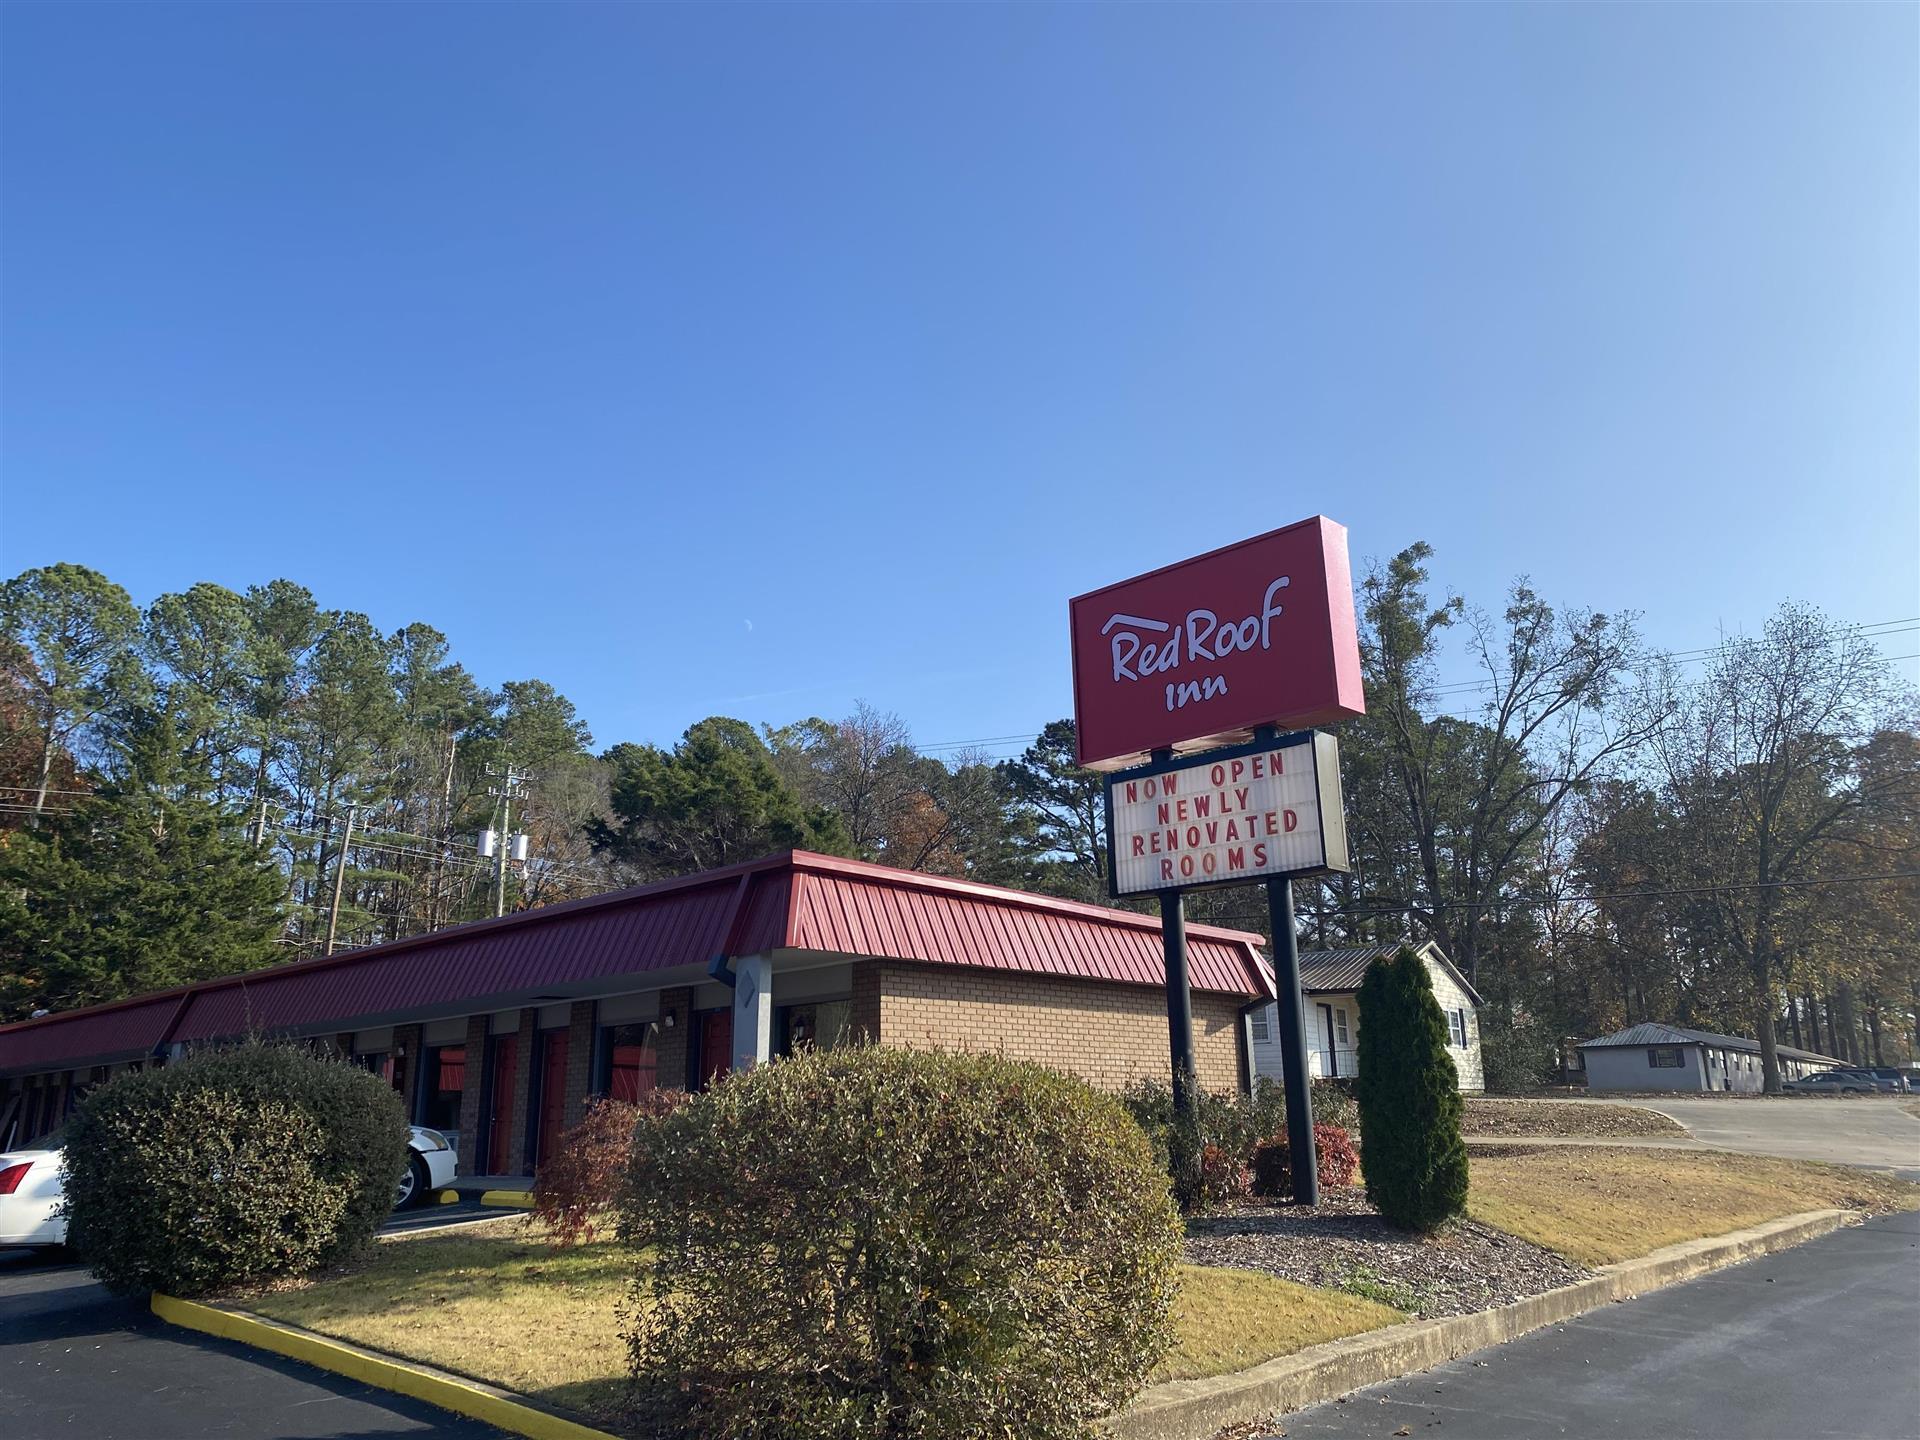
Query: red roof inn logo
1199	653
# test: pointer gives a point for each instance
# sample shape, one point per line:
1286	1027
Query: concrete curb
508	1199
1196	1409
499	1408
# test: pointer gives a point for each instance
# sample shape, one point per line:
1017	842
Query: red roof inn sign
1200	653
1217	651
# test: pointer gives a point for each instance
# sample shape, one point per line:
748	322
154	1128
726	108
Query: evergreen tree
146	884
715	799
1060	815
1409	1092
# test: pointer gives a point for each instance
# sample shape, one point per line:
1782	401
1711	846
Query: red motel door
500	1128
716	1045
553	1090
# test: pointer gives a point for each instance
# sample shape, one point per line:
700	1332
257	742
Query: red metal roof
105	1033
795	900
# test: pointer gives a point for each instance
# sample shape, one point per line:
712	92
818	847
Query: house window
629	1062
1665	1057
1261	1035
1340	1033
1457	1028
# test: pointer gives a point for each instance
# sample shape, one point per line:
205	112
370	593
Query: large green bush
230	1166
866	1243
1411	1152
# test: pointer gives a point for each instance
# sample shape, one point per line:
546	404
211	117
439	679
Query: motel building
498	1032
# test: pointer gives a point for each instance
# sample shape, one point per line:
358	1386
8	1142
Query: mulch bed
1566	1119
1343	1244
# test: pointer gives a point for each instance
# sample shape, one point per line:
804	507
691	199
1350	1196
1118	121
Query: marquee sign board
1253	812
1200	653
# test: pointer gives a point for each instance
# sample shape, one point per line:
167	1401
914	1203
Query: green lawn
495	1302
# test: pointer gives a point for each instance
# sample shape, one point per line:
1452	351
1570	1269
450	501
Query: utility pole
340	879
503	844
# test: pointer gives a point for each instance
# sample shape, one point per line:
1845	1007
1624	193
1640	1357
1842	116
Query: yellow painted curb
449	1392
519	1199
447	1197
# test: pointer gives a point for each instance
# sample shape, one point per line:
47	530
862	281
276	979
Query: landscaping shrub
1232	1124
579	1187
1235	1124
864	1243
230	1166
1411	1150
1221	1177
1273	1160
1333	1104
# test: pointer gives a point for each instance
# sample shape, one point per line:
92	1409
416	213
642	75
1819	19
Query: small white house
1652	1056
1329	985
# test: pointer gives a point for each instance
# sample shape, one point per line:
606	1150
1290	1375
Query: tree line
1596	834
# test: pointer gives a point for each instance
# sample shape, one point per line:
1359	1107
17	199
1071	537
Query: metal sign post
1293	1046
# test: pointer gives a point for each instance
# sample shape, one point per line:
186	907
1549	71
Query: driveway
1842	1130
1816	1341
75	1360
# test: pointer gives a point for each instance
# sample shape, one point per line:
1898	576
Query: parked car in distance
1890	1077
33	1183
1833	1082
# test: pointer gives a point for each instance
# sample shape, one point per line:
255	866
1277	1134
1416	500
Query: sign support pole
1293	1036
1173	937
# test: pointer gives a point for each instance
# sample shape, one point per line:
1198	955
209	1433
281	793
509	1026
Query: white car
33	1182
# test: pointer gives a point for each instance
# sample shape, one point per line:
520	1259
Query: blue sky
758	359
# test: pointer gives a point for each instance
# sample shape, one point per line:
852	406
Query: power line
1871	630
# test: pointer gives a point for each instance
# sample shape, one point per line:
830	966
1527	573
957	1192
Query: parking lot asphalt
76	1361
1814	1343
1870	1130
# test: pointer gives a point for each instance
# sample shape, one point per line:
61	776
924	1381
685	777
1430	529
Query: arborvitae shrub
1410	1146
867	1243
230	1166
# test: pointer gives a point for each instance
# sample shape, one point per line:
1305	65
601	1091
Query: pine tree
1411	1150
146	884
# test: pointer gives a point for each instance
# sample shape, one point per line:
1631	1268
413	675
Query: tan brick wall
1111	1035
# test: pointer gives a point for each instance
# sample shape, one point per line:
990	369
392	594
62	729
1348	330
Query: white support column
752	1011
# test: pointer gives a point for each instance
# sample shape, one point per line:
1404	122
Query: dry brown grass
1597	1206
495	1302
1231	1319
1565	1119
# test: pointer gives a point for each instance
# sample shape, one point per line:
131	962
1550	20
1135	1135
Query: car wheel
412	1188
